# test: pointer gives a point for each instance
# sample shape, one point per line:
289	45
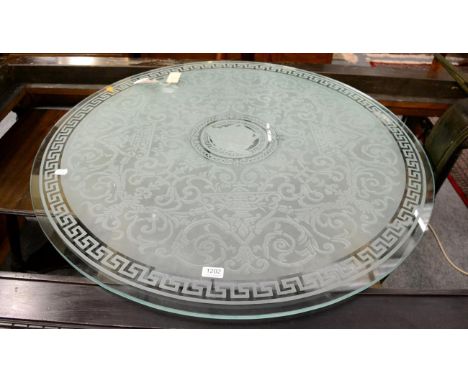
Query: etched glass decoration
301	189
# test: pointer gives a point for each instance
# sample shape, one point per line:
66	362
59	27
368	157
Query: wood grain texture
56	81
68	95
17	151
10	96
50	300
306	58
49	81
4	245
381	80
406	92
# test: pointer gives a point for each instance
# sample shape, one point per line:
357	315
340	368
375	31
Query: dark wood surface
18	148
74	301
68	95
311	58
319	58
10	96
405	91
61	82
28	82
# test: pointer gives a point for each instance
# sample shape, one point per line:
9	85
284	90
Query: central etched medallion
234	138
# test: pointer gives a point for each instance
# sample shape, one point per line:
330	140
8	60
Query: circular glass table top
232	189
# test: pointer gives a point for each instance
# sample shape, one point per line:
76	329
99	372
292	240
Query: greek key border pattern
147	278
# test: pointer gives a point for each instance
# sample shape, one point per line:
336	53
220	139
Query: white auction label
61	171
213	272
173	77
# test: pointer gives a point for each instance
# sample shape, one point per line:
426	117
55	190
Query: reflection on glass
299	190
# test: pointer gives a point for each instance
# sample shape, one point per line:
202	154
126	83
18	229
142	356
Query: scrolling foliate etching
262	171
139	181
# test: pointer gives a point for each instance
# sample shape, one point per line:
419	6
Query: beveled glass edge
383	270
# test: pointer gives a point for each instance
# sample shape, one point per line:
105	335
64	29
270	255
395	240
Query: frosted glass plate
235	190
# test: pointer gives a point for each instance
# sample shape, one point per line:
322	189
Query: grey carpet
426	268
459	171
